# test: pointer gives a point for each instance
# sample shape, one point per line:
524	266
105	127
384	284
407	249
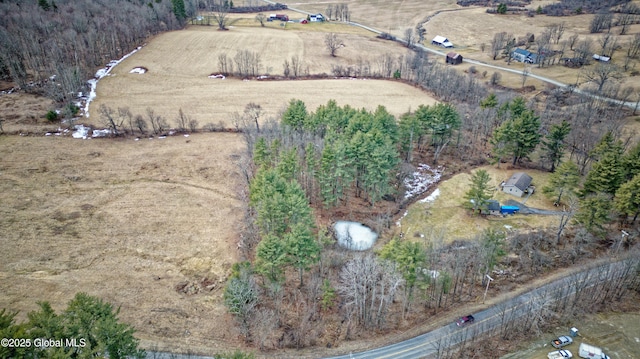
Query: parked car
465	320
561	341
590	352
560	354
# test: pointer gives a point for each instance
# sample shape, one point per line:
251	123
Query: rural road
491	319
629	104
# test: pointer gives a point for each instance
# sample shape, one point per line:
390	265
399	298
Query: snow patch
432	197
100	74
420	180
218	76
138	70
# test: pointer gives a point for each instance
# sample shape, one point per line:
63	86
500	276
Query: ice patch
354	235
420	180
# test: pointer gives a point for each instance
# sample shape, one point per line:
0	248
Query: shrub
52	116
495	78
396	75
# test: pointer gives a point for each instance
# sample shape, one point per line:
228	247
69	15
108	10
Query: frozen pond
354	235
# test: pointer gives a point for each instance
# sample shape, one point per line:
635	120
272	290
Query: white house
441	41
316	18
518	184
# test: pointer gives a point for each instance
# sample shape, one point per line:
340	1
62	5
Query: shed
522	55
493	207
441	41
454	58
518	184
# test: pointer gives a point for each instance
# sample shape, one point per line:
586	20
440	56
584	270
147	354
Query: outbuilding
493	207
518	184
441	41
454	58
316	18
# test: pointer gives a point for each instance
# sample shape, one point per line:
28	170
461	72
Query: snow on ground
100	74
432	197
138	70
420	180
218	76
85	132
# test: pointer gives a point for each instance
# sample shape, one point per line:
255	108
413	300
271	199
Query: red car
465	320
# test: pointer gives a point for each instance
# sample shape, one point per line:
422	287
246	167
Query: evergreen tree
288	166
179	10
517	136
441	125
554	143
627	199
631	162
477	198
605	176
301	248
501	9
271	258
296	115
564	180
44	5
262	153
409	258
594	212
411	132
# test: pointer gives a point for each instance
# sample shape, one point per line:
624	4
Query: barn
441	41
454	58
518	184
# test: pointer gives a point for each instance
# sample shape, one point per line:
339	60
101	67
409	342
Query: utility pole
487	288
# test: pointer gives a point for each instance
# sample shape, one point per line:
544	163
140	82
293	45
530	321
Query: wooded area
53	48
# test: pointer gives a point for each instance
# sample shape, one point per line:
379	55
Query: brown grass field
130	221
180	62
127	221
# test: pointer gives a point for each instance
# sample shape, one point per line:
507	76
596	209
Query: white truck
560	354
590	352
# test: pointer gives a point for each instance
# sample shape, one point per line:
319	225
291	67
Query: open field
181	80
389	16
128	221
445	215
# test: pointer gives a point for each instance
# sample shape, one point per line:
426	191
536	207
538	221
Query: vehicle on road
590	352
465	320
560	354
561	341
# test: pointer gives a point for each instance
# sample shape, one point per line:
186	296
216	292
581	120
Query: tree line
53	47
87	328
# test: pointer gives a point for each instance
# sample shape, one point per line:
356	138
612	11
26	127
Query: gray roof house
518	184
525	56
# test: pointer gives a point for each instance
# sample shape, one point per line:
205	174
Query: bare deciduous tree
107	116
601	73
333	43
253	111
497	44
409	38
220	13
261	18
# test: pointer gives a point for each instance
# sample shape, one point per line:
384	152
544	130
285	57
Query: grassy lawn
446	217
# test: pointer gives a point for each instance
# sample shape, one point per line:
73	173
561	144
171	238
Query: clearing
443	216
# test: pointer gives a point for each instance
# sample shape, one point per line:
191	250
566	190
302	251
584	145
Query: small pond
354	236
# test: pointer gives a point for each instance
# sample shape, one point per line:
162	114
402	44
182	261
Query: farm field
149	226
181	80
